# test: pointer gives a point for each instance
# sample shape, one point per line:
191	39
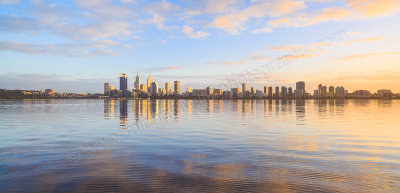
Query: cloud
159	12
357	56
262	30
71	50
190	33
162	69
234	21
8	1
10	23
286	47
320	16
168	68
296	57
202	7
278	22
371	39
372	8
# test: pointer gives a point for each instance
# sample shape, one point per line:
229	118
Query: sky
78	45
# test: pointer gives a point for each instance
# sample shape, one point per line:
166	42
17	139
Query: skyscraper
154	88
177	87
284	91
167	87
123	81
277	92
107	89
270	92
290	92
209	91
137	83
244	87
301	89
149	83
323	92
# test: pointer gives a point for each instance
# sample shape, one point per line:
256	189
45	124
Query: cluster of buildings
40	94
153	90
150	89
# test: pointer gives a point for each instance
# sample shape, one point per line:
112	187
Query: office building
284	92
228	94
384	93
323	92
189	89
167	88
154	88
137	83
199	92
253	91
217	92
290	92
107	89
177	87
123	81
277	92
340	92
361	94
244	87
143	88
301	89
235	92
270	94
149	84
209	91
316	94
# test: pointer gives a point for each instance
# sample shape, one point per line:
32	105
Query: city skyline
74	45
281	92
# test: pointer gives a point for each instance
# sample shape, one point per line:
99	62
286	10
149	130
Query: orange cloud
372	8
356	56
234	21
371	39
296	57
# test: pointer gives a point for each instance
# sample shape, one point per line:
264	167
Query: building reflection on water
155	110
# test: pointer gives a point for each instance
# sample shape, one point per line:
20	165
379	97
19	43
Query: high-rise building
143	88
177	87
316	94
290	92
123	81
340	92
235	92
253	91
209	91
384	93
323	92
189	89
244	87
149	83
301	89
107	88
167	87
265	89
320	91
217	92
270	92
277	92
154	88
137	83
284	91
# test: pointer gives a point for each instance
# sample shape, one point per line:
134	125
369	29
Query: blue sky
76	46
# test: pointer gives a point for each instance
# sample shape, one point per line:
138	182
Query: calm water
199	146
